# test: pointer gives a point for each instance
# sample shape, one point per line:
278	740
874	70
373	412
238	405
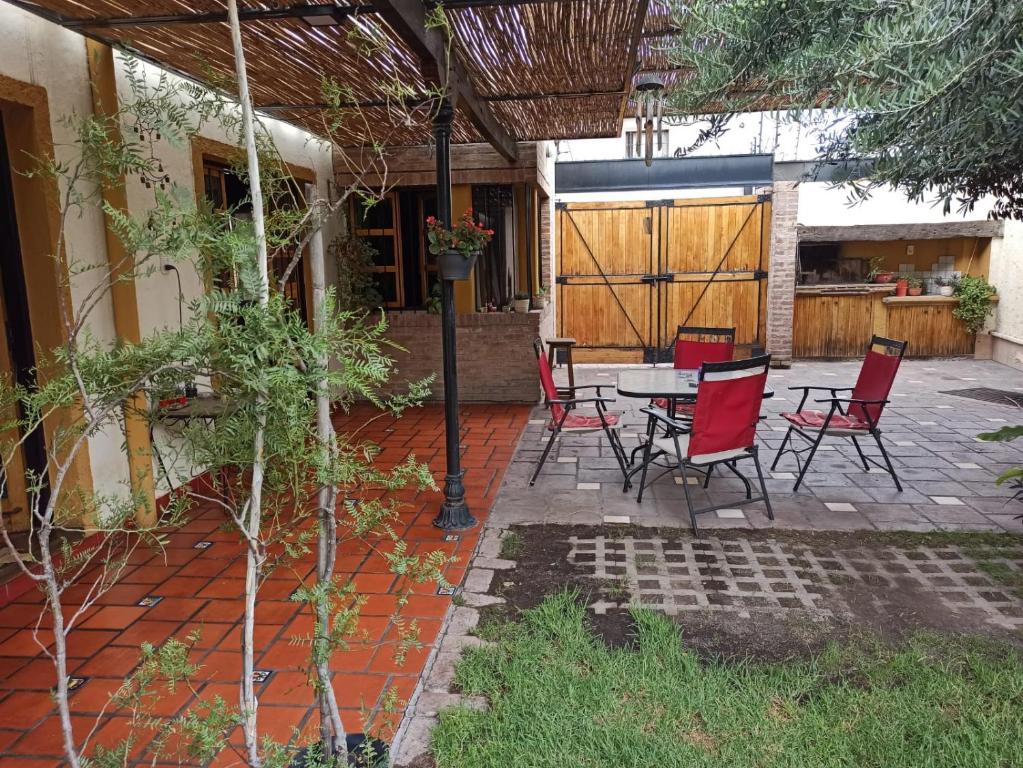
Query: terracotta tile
426	606
355	659
94	695
84	643
7	738
24	643
46	739
210	634
220	611
384	661
373	583
231	589
287	688
183	586
112	661
155	632
23	709
31	762
358	691
123	594
115	617
176	609
221	666
28	674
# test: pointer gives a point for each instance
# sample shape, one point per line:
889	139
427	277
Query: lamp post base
454	513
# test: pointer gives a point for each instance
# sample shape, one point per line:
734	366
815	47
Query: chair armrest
659	415
576	387
851	401
825	389
579	400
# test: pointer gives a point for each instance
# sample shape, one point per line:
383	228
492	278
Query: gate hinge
561	280
759	274
560	205
764	197
660	203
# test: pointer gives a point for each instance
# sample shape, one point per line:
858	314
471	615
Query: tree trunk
254	557
332	731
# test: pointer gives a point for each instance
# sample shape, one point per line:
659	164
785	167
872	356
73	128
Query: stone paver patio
947	473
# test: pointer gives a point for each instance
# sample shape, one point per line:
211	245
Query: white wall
757	132
40	53
820	204
1007	275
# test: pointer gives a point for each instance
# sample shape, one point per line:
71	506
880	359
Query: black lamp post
454	513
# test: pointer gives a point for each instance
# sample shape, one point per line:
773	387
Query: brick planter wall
495	354
781	280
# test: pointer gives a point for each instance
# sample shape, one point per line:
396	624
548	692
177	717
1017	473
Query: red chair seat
687	409
816	419
586	421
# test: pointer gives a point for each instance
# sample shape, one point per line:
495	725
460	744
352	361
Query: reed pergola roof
522	69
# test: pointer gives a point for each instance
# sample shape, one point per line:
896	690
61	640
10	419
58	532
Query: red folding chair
695	346
722	431
565	417
852	417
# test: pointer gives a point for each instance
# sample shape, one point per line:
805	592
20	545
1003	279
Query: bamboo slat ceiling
545	69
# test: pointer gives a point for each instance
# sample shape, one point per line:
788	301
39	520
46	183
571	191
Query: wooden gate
630	273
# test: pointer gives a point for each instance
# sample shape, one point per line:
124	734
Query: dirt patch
900	583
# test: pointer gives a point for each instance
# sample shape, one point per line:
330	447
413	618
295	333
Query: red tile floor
201	588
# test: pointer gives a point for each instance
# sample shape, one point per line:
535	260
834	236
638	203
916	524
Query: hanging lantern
649	95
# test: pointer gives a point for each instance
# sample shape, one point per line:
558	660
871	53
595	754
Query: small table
566	343
676	385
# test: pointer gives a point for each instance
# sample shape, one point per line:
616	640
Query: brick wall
781	279
495	354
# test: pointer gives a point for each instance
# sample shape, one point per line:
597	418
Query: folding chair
695	346
565	417
852	417
722	430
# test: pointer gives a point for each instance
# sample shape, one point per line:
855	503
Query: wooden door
630	273
607	285
714	267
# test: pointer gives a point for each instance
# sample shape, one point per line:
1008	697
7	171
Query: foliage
931	91
559	696
1013	475
263	361
467	236
356	288
434	303
974	302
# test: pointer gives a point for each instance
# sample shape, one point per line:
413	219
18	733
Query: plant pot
917	291
901	286
946	290
883	277
520	305
377	757
452	265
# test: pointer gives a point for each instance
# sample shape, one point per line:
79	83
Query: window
227	192
377	225
496	278
660	144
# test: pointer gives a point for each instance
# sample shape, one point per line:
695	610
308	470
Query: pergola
518	70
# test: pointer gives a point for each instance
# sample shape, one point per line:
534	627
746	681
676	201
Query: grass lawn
560	697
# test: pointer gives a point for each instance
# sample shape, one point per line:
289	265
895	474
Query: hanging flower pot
456	248
454	265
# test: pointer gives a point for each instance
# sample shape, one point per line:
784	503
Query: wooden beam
408	19
883	232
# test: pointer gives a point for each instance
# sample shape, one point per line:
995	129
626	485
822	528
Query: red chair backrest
728	405
550	390
712	345
877	375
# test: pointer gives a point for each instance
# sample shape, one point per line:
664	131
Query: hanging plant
975	305
468	236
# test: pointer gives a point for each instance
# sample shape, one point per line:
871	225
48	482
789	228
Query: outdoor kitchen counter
837	321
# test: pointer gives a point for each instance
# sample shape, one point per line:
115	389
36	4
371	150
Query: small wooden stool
566	344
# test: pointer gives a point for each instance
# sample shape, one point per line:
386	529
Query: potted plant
542	297
915	286
946	285
901	284
877	273
521	303
974	294
456	249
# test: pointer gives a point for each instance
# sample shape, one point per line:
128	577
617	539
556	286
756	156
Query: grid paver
740	576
